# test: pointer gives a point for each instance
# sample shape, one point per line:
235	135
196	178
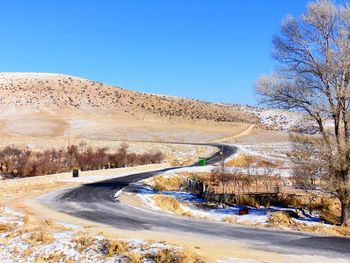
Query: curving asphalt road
96	202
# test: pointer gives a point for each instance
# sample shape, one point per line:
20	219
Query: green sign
202	161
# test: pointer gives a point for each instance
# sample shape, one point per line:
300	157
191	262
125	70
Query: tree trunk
345	209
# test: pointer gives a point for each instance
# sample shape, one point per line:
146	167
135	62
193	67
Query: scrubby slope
53	106
52	92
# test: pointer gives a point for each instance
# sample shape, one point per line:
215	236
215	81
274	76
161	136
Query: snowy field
22	242
273	152
277	119
197	207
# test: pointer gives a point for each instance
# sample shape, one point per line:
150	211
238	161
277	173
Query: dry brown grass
329	210
230	219
329	230
197	176
40	237
83	241
21	189
53	257
3	227
65	98
39	232
173	160
244	160
283	219
170	183
327	207
27	252
175	256
234	220
115	247
246	200
280	219
240	161
76	94
170	204
134	258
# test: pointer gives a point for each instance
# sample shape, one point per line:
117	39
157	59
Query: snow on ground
254	171
270	151
196	206
67	243
277	119
236	260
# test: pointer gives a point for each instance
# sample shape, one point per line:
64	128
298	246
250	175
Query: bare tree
221	176
313	51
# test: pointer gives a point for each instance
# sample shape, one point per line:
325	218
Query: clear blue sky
207	49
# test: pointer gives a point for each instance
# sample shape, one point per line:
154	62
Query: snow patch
236	260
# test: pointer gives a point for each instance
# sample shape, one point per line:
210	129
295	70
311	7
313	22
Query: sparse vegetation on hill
60	91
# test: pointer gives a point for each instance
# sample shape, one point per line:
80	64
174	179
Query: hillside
42	105
51	92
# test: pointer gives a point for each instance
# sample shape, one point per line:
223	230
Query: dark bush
16	162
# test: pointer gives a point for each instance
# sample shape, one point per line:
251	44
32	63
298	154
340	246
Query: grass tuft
171	183
170	204
230	219
115	247
41	237
3	227
134	258
83	241
280	219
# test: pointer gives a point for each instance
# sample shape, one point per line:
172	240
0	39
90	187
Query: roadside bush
246	200
280	219
15	162
83	242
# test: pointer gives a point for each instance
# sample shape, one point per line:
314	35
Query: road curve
96	202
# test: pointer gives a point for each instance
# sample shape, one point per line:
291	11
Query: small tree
221	177
313	52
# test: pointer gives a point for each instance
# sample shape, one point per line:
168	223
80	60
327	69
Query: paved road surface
96	202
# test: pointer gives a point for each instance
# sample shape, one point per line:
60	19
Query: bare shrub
280	219
115	247
41	237
16	162
83	241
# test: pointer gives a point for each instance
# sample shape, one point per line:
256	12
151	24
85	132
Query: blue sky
211	50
